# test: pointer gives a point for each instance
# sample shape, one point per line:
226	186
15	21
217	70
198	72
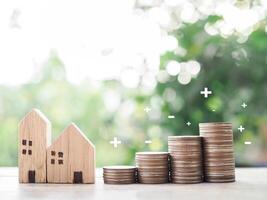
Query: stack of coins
119	174
153	167
186	159
219	162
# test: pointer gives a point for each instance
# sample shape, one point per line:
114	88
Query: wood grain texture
33	139
71	152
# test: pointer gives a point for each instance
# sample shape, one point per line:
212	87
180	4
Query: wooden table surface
251	184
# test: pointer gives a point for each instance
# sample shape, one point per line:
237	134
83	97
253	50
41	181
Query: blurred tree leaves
235	72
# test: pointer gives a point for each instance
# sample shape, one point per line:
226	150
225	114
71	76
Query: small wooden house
71	158
34	138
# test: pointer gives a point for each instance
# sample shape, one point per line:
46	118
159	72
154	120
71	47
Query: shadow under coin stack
219	163
186	159
119	174
153	167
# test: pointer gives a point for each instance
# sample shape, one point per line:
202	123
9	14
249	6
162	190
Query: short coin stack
153	167
186	159
219	163
119	174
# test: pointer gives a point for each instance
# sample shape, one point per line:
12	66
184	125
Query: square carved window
60	154
24	151
24	142
30	143
60	162
53	153
52	161
30	152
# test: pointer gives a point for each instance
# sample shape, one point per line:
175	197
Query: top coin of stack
119	174
186	159
219	162
153	167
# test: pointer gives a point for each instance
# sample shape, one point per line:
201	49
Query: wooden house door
78	177
31	176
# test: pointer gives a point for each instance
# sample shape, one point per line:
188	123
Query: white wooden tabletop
251	184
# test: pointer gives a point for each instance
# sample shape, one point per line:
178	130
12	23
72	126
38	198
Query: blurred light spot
189	13
149	81
210	51
130	78
127	108
193	67
236	19
169	94
240	54
225	29
180	51
148	141
183	67
184	78
248	142
154	131
156	103
162	76
206	7
168	43
177	105
155	115
112	100
160	15
173	68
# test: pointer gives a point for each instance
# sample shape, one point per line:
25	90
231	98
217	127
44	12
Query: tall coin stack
186	159
219	162
119	174
152	167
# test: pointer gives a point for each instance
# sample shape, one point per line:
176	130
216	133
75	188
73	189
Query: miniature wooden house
71	158
34	138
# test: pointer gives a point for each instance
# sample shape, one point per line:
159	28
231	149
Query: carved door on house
78	177
31	176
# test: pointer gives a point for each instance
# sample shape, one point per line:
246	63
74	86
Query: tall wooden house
71	158
34	138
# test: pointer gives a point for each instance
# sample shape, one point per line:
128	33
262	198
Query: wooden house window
24	142
53	153
60	154
60	162
52	161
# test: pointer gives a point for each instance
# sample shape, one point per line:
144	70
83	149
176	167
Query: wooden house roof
35	114
72	129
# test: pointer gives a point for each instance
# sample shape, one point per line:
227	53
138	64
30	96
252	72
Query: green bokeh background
235	72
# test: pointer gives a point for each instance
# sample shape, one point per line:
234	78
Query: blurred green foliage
236	73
